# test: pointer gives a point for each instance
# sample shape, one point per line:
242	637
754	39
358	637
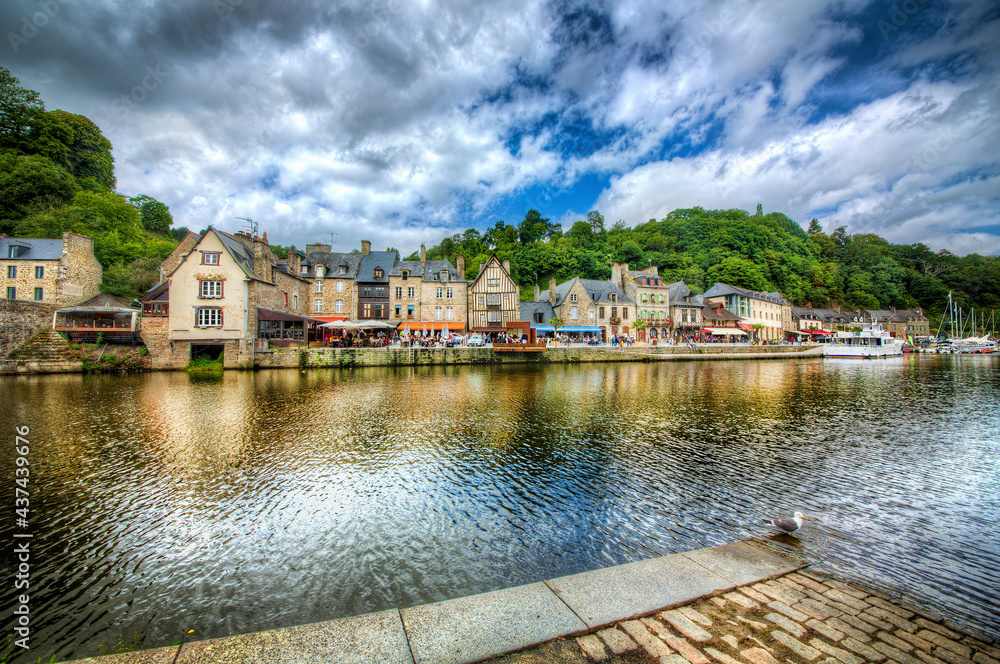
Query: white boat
974	345
871	341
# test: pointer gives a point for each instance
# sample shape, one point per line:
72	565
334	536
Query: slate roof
373	259
37	249
832	315
529	309
331	261
680	294
158	293
642	274
599	291
432	272
720	289
721	313
805	313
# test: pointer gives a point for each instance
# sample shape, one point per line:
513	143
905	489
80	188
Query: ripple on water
281	498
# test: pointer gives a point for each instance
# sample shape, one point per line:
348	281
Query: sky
403	121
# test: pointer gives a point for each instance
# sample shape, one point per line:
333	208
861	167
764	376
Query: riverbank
47	359
733	604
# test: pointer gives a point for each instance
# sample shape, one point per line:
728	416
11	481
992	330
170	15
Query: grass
130	644
204	365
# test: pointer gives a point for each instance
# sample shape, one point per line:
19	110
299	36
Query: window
411	292
614	297
38	293
444	276
614	312
574	312
493	283
341	269
399	310
494	316
210	258
340	286
11	293
684	315
338	306
406	275
378	273
380	291
11	271
295	300
399	292
644	298
39	272
304	269
439	293
13	251
480	300
437	313
450	293
600	312
319	271
318	305
625	313
284	297
209	317
409	310
319	286
449	313
572	298
493	299
539	317
212	289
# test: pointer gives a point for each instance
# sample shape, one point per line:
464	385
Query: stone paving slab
152	656
470	629
741	563
609	595
375	637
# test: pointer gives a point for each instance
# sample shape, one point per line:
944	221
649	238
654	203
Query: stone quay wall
20	320
372	357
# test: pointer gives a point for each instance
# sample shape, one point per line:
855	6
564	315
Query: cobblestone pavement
800	618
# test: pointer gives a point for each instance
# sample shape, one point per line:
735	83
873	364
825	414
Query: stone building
590	303
227	296
651	296
59	272
900	323
333	291
494	299
432	293
685	311
754	308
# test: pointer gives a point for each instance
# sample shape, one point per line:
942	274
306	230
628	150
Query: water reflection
264	500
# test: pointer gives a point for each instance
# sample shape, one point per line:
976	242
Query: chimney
506	266
552	291
366	247
460	266
423	258
261	259
317	247
294	261
618	273
264	239
537	293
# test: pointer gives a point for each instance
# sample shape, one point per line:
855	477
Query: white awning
725	331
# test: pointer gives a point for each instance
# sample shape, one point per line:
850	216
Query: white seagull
789	526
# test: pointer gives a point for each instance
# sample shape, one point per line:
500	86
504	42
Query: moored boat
872	341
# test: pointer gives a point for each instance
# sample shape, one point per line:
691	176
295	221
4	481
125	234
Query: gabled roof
238	249
32	249
493	257
373	259
720	313
432	271
107	300
599	291
529	309
832	315
680	294
159	292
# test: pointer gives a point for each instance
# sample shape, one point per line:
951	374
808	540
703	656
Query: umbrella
345	324
444	330
406	329
424	333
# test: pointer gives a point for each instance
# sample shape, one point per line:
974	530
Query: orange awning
432	326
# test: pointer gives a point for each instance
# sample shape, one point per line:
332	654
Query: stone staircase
46	352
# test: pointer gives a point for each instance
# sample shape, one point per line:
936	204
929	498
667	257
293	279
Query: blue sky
403	122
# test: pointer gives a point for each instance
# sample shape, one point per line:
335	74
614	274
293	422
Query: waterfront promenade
733	604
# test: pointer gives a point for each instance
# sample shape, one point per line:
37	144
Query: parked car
475	340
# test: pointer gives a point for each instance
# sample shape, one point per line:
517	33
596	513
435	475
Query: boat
974	345
872	341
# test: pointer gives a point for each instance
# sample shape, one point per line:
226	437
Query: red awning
330	319
746	327
435	326
819	332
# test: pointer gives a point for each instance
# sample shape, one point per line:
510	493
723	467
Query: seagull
789	526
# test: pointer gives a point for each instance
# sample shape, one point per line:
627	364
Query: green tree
737	271
89	152
154	215
533	228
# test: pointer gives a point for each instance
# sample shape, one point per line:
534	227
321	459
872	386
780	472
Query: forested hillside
757	251
57	174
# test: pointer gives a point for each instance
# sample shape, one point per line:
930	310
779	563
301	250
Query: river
162	503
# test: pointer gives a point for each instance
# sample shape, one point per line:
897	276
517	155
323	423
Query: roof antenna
253	226
332	241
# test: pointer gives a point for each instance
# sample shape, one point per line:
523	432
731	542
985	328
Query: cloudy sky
402	121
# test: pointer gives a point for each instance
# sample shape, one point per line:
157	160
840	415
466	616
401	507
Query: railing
537	347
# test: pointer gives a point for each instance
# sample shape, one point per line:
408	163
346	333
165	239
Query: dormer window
378	273
406	274
343	268
444	276
614	297
304	269
319	271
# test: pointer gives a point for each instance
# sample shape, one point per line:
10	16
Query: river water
162	503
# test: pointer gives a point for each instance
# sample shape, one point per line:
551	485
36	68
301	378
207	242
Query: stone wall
19	321
176	256
80	274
